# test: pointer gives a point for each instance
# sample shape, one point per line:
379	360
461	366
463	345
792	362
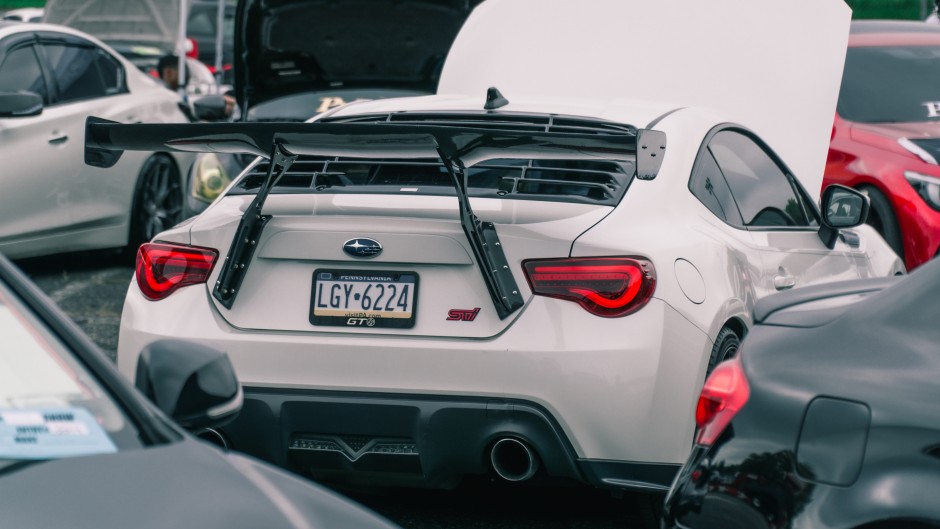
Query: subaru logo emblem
362	247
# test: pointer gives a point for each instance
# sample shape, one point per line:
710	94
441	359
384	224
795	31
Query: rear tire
882	218
158	201
726	346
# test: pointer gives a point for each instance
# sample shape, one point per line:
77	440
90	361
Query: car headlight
209	178
928	187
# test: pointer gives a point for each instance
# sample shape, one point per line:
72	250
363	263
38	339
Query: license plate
364	298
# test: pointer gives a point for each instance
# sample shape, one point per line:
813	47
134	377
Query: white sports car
417	290
51	79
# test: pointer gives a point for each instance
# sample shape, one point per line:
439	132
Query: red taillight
725	393
163	268
605	286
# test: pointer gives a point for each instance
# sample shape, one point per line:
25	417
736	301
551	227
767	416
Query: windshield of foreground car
891	84
50	405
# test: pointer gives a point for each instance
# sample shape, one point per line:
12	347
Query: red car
886	136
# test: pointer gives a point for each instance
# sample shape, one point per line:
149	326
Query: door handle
57	138
783	282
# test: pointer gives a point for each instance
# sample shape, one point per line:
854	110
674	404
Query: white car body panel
622	389
739	57
52	201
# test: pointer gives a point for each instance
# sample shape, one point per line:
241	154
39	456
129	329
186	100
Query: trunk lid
287	46
420	235
389	173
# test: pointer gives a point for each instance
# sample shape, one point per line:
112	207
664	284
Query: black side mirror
192	383
842	207
210	108
20	104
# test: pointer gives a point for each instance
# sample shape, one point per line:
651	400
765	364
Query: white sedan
52	202
417	290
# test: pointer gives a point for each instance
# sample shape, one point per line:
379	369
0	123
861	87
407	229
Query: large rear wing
457	147
105	141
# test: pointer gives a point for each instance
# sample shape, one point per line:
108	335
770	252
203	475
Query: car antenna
494	99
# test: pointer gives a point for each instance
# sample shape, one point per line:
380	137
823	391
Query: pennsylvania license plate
364	298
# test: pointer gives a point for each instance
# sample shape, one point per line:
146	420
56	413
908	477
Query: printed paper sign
51	434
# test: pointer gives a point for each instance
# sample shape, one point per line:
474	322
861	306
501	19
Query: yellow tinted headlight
209	178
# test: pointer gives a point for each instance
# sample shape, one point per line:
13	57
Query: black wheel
158	200
882	218
726	346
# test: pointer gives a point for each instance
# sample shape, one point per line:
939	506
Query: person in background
933	17
168	69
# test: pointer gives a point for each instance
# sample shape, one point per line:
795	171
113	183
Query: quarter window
20	71
766	196
111	72
710	187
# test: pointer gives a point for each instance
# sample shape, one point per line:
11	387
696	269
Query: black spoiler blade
105	141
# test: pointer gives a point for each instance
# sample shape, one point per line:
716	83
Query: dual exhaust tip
214	436
513	459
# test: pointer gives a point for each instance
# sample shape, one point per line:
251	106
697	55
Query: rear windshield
891	84
595	182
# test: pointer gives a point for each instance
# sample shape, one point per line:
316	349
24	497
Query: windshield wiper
249	231
18	465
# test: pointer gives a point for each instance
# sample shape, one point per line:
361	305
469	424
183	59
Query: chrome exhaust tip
213	436
513	460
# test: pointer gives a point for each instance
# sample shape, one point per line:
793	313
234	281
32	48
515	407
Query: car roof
20	27
893	33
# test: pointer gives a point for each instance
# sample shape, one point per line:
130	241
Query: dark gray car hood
288	46
185	484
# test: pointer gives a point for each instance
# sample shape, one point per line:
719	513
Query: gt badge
462	314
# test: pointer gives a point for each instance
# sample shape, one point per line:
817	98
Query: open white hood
774	67
154	22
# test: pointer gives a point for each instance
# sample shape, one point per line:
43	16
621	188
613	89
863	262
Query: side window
111	73
76	72
765	195
20	70
710	187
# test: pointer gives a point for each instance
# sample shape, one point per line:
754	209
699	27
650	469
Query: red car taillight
162	268
605	286
725	393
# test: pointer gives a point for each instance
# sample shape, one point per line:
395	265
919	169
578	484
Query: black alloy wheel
158	200
881	217
726	346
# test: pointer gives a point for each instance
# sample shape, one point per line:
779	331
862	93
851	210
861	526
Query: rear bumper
599	394
414	440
